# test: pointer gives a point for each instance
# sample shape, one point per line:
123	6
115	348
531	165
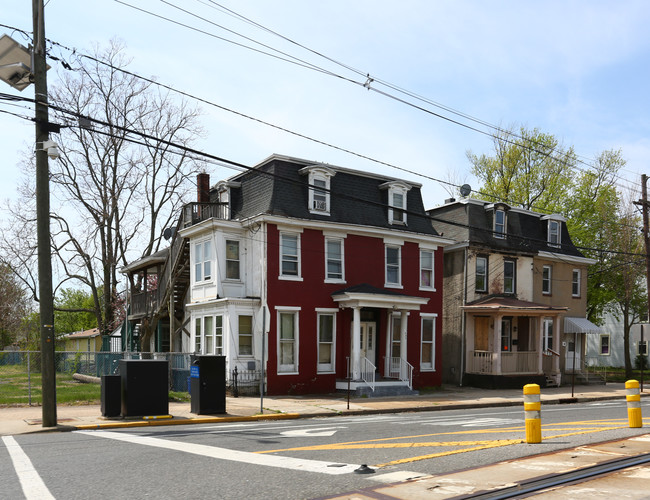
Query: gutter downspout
463	325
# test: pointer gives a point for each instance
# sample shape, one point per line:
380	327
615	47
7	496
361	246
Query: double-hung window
397	201
604	344
499	224
232	260
288	340
398	206
289	255
554	233
245	335
393	270
203	261
198	335
547	276
319	181
509	276
575	283
319	201
427	343
426	269
326	340
334	270
481	277
643	347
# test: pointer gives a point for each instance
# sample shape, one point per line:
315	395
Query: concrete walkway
27	419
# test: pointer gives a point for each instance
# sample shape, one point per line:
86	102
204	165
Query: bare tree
119	180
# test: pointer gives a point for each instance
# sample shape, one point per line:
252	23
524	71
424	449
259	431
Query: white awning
580	325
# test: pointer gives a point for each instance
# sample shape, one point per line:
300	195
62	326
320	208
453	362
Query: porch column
356	343
402	335
540	344
497	344
556	342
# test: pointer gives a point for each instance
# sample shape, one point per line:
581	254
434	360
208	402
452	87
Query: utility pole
48	373
646	239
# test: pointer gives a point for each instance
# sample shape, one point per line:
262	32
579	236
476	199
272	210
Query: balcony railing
511	362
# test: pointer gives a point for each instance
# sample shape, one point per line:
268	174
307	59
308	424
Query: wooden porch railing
511	362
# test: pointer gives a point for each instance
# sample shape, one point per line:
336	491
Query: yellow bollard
533	412
633	396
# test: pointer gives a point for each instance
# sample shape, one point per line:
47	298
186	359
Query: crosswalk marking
228	454
33	486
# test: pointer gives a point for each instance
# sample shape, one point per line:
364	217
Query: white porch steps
383	388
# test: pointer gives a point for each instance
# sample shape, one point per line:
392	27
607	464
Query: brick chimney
203	185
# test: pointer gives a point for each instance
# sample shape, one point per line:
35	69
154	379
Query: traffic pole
633	397
533	412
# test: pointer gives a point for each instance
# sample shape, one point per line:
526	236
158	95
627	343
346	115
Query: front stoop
383	388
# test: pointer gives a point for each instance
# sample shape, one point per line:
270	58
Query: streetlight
19	67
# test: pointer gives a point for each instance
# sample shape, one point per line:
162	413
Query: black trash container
145	387
111	395
208	385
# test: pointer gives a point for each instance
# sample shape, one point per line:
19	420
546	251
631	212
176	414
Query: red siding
363	263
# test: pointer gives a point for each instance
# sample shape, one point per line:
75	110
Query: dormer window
553	230
224	197
499	223
319	188
397	206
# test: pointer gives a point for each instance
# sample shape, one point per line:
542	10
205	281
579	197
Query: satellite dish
465	190
168	233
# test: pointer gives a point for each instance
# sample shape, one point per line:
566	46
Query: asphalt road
307	458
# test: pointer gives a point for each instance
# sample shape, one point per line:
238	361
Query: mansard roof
471	222
277	187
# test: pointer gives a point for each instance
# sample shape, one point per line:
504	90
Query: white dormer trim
224	194
397	190
319	196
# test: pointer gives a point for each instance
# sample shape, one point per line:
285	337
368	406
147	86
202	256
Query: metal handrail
368	372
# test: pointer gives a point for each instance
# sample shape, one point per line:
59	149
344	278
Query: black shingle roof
472	221
276	187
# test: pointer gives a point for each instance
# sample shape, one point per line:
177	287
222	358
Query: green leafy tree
528	169
74	311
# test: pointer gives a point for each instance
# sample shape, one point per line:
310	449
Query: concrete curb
151	421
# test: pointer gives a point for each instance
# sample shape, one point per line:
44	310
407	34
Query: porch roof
580	325
364	295
511	304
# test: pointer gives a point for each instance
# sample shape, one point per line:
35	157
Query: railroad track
536	485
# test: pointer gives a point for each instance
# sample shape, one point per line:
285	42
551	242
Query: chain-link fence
20	371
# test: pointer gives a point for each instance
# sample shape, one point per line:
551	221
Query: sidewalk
27	419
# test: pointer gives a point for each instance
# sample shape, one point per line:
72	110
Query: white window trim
638	347
318	172
557	244
342	241
432	317
498	234
550	279
397	187
330	368
579	282
609	344
399	267
202	243
432	287
239	260
288	369
545	336
291	277
252	354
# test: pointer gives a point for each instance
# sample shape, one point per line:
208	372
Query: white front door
368	341
574	346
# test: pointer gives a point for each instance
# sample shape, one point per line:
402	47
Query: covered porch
378	314
512	340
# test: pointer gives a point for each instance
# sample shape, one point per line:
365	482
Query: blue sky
575	69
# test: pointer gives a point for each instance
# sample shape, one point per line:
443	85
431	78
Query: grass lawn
14	389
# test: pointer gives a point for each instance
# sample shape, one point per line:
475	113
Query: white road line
227	454
32	484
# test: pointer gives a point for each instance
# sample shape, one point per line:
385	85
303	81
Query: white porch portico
365	296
